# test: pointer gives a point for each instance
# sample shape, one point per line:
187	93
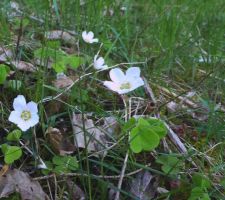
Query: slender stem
117	197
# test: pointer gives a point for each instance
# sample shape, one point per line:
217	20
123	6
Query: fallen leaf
4	169
63	81
18	181
95	138
24	66
60	143
59	35
111	126
5	54
76	192
143	187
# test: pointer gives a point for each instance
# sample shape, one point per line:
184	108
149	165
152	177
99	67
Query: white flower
25	115
99	63
89	37
124	83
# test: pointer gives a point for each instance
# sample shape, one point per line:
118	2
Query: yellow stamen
126	85
25	115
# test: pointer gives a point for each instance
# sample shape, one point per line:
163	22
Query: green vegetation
88	138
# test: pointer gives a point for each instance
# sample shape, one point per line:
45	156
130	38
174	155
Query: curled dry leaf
97	137
5	54
63	81
24	66
18	181
110	126
60	35
143	186
59	142
75	191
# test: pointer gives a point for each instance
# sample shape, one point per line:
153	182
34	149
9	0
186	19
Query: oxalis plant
144	133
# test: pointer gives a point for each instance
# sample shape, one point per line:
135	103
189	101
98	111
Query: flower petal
14	117
133	72
95	58
136	83
124	91
90	35
94	40
84	34
111	85
32	107
117	75
34	120
19	102
24	125
100	61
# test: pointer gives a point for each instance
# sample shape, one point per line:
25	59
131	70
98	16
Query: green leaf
73	61
59	67
48	52
158	127
199	180
14	135
129	124
49	168
143	137
65	163
4	148
170	164
198	193
12	153
3	73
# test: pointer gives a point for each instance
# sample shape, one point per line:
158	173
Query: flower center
126	85
25	115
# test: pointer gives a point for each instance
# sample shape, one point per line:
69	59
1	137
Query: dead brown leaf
18	181
24	66
63	82
143	187
60	142
75	191
5	54
111	126
95	138
60	35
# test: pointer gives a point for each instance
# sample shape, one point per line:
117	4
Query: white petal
19	102
111	85
94	40
84	34
124	91
136	83
100	61
90	35
117	75
14	117
133	72
95	58
34	120
24	125
32	107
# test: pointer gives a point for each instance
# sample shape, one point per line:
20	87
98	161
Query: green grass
169	37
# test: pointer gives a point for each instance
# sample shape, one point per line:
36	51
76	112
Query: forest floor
91	139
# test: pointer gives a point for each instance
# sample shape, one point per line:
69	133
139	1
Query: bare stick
117	197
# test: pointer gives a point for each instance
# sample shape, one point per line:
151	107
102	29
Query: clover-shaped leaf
11	153
14	135
146	135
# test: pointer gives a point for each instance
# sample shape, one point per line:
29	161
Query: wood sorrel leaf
146	135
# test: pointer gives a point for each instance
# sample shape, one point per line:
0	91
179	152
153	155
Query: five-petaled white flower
124	83
25	115
99	63
89	37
